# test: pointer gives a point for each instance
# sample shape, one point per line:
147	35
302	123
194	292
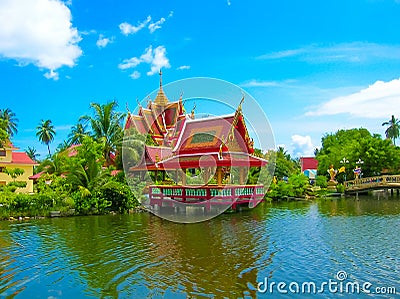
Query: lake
343	247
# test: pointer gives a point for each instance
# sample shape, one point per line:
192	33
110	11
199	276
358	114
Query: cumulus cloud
302	146
156	58
378	100
38	32
103	41
183	67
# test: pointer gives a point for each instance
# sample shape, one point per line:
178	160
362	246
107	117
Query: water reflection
143	256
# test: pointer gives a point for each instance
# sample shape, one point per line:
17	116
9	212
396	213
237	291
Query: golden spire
161	99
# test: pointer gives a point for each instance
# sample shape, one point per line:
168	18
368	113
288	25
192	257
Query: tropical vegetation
85	173
45	132
347	148
393	129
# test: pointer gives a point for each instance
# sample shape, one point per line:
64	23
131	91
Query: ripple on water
139	256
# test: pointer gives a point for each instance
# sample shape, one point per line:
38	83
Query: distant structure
309	166
210	147
11	159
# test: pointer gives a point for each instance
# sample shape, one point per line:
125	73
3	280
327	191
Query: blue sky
314	66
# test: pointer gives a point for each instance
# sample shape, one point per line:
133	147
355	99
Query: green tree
393	130
85	169
9	121
45	132
3	133
106	125
284	165
77	133
132	149
14	172
355	144
56	164
31	152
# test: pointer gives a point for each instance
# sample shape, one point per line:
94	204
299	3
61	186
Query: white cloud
228	2
130	63
159	60
157	25
103	41
257	83
135	75
302	146
156	58
183	67
345	52
127	28
52	75
380	99
38	32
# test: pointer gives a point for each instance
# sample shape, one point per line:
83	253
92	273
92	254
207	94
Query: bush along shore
54	197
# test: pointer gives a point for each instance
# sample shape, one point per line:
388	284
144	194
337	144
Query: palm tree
31	152
10	121
393	130
77	133
3	133
45	132
106	125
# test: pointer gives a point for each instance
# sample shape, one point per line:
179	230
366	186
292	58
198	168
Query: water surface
143	256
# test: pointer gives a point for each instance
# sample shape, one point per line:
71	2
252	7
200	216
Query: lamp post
344	161
359	163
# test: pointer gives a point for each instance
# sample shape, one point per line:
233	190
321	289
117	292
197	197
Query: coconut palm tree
77	133
393	130
106	125
3	133
31	152
45	132
10	121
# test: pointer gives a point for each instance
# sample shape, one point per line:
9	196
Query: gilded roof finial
241	102
160	73
137	101
192	112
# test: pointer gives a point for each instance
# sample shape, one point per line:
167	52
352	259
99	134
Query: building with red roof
213	146
11	159
309	166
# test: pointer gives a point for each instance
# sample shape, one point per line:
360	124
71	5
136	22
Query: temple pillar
219	175
183	177
241	176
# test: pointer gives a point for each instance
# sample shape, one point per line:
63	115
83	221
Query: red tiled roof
72	150
37	176
308	163
21	158
157	153
211	160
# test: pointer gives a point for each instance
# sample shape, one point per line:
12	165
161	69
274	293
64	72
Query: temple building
195	160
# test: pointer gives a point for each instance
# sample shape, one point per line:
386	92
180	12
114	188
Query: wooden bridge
373	183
